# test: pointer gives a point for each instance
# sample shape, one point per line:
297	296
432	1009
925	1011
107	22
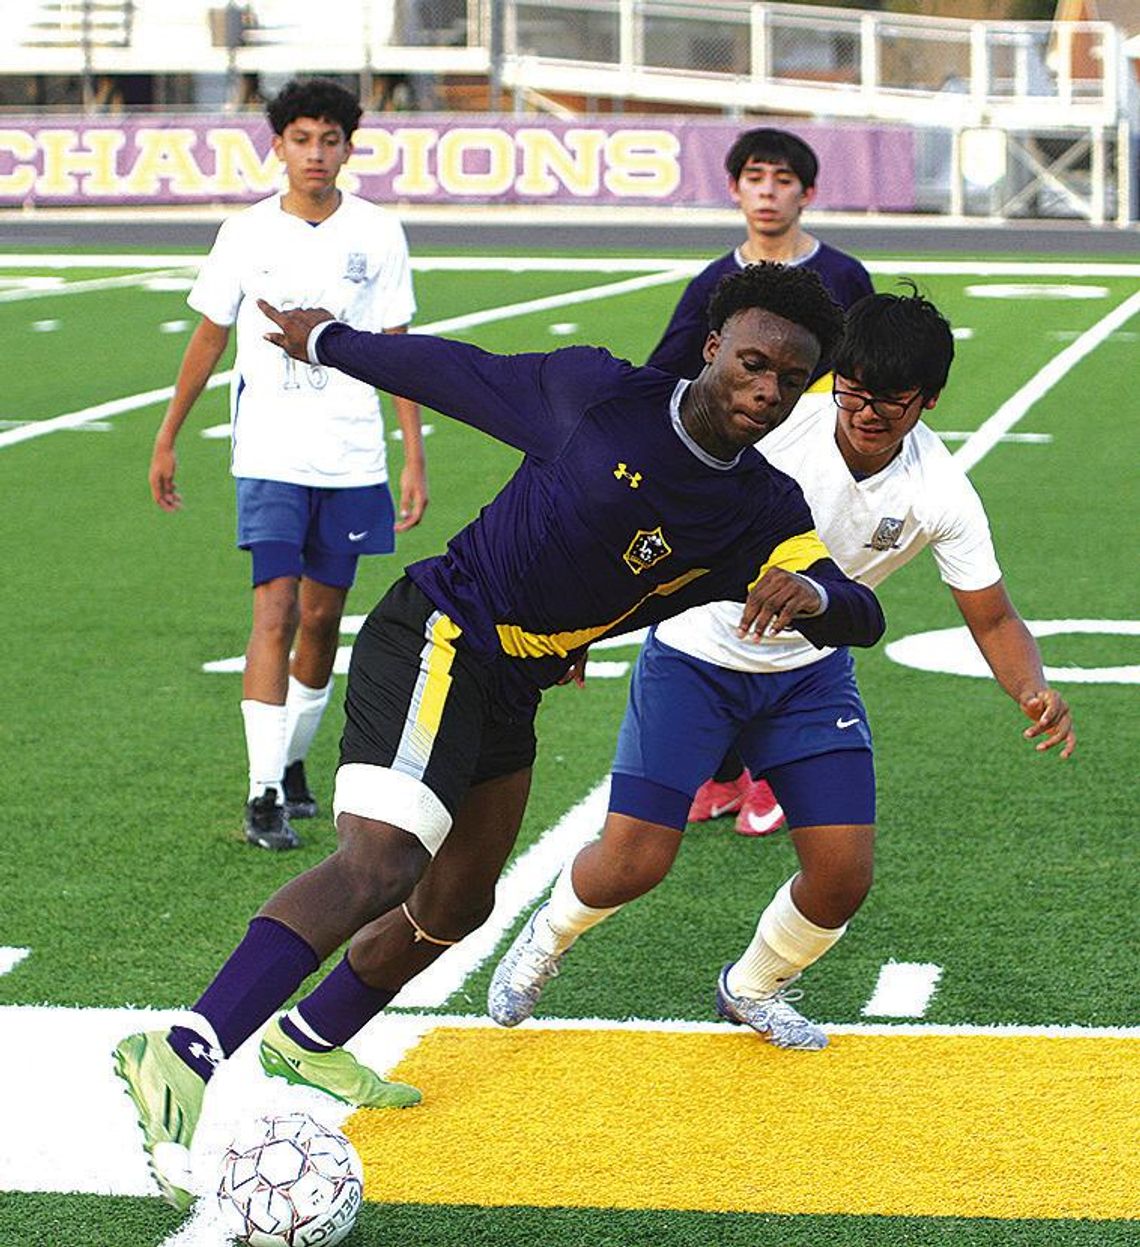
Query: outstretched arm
1009	648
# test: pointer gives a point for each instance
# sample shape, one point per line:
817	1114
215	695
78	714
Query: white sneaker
772	1018
520	976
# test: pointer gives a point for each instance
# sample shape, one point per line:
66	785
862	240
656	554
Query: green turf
123	771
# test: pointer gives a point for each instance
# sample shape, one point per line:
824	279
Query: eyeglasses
890	409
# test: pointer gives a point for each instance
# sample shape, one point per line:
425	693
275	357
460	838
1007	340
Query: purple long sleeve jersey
614	519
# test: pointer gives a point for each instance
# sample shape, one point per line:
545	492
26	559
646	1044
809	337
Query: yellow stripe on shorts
914	1125
432	685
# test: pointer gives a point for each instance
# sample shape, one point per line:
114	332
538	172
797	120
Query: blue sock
336	1009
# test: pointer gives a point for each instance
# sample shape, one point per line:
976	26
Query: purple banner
435	159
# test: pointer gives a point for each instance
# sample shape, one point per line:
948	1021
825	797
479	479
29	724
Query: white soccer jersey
300	423
871	527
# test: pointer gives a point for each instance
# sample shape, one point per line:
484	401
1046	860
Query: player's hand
577	673
413	498
776	599
295	325
1052	720
163	465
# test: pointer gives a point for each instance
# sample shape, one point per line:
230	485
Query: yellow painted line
931	1125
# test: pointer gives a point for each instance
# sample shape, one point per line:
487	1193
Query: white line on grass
11	957
904	990
84	287
132	402
1014	408
617	264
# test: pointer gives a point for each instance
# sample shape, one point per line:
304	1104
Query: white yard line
132	402
904	990
615	264
86	287
983	440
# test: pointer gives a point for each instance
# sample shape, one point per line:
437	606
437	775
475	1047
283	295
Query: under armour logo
621	471
203	1052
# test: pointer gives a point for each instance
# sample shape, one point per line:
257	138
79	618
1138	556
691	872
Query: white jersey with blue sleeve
871	527
293	422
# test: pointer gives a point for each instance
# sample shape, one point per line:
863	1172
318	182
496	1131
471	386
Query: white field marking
133	402
89	426
952	651
617	264
524	881
82	287
563	328
11	957
1029	439
1023	290
904	990
1015	407
45	326
1070	335
961	333
174	326
100	1152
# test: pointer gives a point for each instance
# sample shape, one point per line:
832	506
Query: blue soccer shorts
804	730
299	530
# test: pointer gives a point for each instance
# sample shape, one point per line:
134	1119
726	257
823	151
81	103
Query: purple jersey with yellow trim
682	343
615	518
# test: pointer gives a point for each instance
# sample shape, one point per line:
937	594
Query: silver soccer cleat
772	1018
520	976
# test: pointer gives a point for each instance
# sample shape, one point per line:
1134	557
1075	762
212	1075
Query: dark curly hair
314	97
793	292
896	342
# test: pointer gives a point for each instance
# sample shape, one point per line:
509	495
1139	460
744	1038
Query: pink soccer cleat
760	815
714	799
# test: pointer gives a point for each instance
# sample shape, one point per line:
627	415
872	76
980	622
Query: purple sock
262	973
336	1009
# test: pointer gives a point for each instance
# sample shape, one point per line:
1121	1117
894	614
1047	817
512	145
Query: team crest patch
646	549
887	533
356	269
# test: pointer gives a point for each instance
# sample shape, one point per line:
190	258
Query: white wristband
314	335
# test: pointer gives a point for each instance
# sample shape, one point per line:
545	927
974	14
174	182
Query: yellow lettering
166	155
23	147
415	177
64	162
642	163
546	162
238	167
456	144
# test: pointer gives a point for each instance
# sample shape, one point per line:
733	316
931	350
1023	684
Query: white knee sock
265	745
304	707
784	945
566	917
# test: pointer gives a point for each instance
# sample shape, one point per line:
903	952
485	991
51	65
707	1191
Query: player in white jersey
881	486
308	442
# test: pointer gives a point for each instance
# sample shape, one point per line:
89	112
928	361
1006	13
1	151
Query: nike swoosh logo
717	810
358	536
842	723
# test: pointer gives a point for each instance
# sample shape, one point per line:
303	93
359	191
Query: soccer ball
290	1182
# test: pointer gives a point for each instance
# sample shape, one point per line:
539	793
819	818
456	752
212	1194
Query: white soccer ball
290	1182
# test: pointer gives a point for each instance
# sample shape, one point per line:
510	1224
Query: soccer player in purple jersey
638	496
771	177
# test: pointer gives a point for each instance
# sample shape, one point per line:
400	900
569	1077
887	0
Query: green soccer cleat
337	1073
168	1098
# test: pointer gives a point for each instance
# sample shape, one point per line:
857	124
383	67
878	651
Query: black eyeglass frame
892	416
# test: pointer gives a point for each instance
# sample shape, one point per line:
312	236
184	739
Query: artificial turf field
999	1108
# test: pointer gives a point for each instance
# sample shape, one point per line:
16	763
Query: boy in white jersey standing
308	442
881	486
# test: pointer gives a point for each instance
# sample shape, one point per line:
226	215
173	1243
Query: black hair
894	342
314	97
777	147
793	292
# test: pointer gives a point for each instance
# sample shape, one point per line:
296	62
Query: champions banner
411	158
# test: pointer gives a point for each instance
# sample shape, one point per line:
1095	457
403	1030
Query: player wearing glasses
881	486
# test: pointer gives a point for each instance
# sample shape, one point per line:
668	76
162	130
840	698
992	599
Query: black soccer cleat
266	824
299	801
